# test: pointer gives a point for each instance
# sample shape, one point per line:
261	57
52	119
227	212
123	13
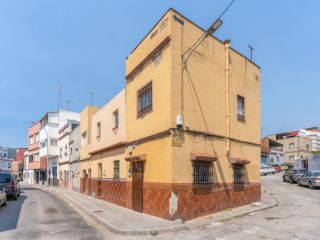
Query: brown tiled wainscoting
114	191
192	202
174	201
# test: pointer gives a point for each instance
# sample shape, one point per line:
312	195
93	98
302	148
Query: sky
82	45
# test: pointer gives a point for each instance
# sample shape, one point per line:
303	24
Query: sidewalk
124	221
266	202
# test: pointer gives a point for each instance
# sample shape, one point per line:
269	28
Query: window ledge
144	113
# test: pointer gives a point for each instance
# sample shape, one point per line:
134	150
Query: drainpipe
227	98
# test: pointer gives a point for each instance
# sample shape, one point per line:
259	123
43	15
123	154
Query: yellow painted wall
204	103
85	125
104	116
158	167
106	159
160	75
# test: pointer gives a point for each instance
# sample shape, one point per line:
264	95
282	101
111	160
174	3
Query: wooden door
137	186
99	180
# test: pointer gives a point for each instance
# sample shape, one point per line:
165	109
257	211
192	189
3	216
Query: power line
227	8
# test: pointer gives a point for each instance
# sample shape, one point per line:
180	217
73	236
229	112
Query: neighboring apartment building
7	155
35	170
193	128
18	162
294	146
49	134
65	173
74	159
107	163
312	133
28	175
271	152
85	135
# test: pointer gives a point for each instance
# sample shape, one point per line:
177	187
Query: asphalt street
41	215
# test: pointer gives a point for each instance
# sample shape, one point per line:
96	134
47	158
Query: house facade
271	152
295	146
35	169
65	150
193	127
49	134
107	164
74	159
313	134
85	145
18	162
7	156
28	175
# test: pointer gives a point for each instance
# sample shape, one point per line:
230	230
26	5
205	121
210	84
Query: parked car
277	167
263	171
310	179
271	170
292	176
9	184
3	198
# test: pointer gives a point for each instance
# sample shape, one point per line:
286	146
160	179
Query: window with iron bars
238	174
202	173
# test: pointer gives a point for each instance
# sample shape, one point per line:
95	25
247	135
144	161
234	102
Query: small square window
241	108
53	142
291	145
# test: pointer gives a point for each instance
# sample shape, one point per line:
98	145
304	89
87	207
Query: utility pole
59	96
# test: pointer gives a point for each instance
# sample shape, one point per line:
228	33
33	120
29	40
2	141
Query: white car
263	171
271	170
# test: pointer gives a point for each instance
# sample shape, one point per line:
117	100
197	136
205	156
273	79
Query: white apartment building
314	135
49	136
5	159
28	174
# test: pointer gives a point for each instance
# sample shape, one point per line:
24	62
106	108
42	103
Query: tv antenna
91	97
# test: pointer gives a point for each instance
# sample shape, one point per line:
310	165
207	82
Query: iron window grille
202	173
145	100
239	174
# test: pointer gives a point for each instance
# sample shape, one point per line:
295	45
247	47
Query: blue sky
83	45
